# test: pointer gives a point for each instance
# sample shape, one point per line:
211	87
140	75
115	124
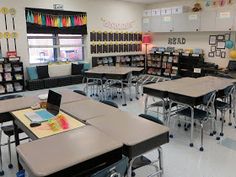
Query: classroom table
188	91
137	134
44	130
27	101
87	109
113	73
79	152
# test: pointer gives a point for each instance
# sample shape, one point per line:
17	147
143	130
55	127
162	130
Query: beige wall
194	39
115	11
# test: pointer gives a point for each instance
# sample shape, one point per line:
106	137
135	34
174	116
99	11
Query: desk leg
192	126
17	142
168	118
123	94
146	105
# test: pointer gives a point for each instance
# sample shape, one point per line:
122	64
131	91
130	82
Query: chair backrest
80	92
110	103
229	90
10	97
209	98
151	118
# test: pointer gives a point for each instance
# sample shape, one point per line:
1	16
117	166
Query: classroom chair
201	116
142	161
80	92
7	130
225	104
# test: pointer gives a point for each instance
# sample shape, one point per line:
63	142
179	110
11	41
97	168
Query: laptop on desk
53	108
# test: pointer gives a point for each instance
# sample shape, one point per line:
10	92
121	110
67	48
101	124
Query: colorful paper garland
58	21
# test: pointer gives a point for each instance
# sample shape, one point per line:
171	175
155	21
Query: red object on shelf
11	54
147	39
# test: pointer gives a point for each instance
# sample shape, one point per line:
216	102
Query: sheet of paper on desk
44	114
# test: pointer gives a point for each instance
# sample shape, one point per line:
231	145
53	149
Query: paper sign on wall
167	19
225	15
146	20
192	17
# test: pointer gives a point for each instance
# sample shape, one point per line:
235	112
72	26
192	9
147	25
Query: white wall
115	11
194	39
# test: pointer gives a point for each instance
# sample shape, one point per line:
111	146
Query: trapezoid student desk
188	91
87	109
112	73
138	135
79	152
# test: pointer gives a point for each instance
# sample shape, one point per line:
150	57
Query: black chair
151	118
225	105
110	103
80	92
142	160
7	130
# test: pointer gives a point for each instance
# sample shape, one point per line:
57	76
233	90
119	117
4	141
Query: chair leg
1	165
201	148
222	124
9	151
160	157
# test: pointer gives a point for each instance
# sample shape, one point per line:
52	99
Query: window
44	48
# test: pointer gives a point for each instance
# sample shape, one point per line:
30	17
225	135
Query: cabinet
166	23
211	20
11	77
224	20
163	64
146	24
123	60
187	22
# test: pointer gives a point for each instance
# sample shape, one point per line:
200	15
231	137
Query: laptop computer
53	108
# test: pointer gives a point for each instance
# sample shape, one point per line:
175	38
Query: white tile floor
218	159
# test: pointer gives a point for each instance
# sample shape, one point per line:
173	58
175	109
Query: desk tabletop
27	101
49	155
17	103
127	128
69	96
192	87
44	130
87	109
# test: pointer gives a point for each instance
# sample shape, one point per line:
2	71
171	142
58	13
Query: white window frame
56	47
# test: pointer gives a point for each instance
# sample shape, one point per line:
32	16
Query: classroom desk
114	73
80	152
188	91
44	130
138	135
87	109
27	101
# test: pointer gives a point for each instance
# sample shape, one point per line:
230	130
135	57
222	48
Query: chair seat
198	113
221	105
9	130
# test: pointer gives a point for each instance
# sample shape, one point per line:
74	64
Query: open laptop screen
53	102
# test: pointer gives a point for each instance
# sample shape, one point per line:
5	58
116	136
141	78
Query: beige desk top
70	96
113	70
193	87
49	155
87	109
27	101
127	128
44	130
17	103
